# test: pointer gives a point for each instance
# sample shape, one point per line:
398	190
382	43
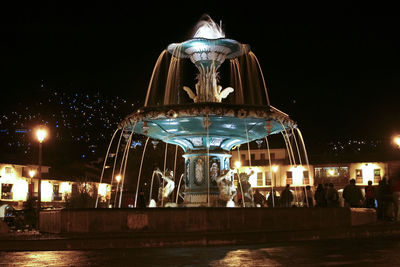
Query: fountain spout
208	50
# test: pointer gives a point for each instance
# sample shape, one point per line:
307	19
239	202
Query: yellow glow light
118	178
238	164
41	134
396	140
275	168
297	175
20	190
368	172
47	191
331	172
65	188
32	173
102	191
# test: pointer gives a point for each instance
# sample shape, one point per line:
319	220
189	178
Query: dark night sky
333	68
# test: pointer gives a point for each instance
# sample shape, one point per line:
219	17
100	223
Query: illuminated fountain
209	121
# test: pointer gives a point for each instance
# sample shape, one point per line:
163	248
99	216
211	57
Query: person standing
286	197
319	196
352	195
308	197
395	189
369	195
332	196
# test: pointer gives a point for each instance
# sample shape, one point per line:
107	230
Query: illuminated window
6	191
306	177
267	178
359	176
377	175
57	196
259	179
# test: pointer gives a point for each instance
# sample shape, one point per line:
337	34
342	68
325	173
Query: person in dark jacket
319	196
352	195
286	197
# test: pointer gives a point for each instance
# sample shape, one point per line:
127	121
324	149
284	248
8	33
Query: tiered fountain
208	121
206	129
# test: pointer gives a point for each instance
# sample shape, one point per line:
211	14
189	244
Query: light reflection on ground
363	252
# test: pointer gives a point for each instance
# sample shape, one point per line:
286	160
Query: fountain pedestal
202	167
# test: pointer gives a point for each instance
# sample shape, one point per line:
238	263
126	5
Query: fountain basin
207	125
204	51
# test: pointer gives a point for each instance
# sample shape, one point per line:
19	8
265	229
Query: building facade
272	169
18	183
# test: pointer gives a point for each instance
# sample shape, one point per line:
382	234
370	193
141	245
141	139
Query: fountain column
200	166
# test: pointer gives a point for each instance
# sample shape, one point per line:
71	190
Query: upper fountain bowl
203	50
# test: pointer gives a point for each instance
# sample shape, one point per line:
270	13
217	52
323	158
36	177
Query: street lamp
238	164
41	134
275	170
31	174
396	140
118	178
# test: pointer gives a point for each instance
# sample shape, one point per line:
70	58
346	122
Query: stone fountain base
200	220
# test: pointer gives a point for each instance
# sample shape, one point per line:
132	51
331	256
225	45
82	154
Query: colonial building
273	169
18	183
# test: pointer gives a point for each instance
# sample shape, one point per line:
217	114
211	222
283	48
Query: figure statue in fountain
246	188
165	192
207	89
227	190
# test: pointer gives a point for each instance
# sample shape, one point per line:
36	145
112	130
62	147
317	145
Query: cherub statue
167	176
246	186
227	190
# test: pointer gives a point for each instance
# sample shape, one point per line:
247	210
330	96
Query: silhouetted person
395	190
319	196
273	199
308	196
384	198
286	197
332	196
352	195
369	196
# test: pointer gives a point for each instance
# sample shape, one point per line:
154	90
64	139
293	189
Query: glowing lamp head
118	178
396	140
238	164
41	134
32	173
275	168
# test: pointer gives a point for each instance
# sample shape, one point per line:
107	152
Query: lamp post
275	170
31	174
118	178
41	134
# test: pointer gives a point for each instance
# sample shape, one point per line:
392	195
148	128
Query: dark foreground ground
375	251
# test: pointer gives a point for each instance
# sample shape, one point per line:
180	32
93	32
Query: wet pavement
342	252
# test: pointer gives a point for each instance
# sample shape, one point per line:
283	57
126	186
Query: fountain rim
206	109
244	48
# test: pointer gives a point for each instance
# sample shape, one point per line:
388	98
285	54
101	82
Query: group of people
387	196
285	198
